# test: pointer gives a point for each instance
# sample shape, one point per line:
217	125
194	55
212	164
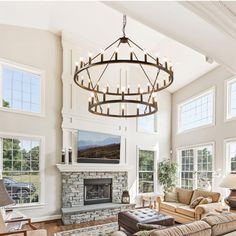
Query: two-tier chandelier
142	100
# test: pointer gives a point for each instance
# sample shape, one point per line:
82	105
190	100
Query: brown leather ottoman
129	219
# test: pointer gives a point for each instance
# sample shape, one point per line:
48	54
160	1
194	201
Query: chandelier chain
124	24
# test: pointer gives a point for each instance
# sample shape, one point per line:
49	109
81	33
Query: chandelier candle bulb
131	54
157	61
128	89
108	109
138	88
107	88
123	110
102	57
89	84
90	58
148	86
81	62
137	109
145	56
118	89
123	95
97	86
92	100
164	82
116	54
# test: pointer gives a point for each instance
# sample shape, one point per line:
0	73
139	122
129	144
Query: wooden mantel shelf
92	167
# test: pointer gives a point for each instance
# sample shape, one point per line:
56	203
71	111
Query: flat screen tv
93	147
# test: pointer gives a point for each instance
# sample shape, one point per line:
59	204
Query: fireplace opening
97	191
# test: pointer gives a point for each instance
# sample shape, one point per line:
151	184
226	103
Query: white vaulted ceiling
171	29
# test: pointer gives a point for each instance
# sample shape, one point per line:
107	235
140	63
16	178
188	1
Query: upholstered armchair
6	200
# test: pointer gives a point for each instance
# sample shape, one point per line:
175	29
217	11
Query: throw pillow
141	226
205	200
196	202
171	197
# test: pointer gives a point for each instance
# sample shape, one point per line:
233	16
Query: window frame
227	163
29	69
195	163
41	139
155	128
228	116
205	92
156	154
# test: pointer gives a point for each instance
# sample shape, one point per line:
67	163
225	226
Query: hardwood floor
55	226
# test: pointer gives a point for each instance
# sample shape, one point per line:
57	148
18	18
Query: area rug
98	230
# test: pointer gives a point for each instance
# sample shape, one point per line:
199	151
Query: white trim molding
80	167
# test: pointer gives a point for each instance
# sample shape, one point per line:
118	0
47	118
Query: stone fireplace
97	191
88	194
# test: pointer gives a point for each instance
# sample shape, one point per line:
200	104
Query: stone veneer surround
73	186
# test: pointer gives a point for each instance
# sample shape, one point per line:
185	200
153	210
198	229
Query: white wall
76	116
39	49
217	133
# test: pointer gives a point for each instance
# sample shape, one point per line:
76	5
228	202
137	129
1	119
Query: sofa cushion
171	197
202	193
184	195
221	224
186	210
171	206
198	228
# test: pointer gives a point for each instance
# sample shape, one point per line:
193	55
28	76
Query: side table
150	199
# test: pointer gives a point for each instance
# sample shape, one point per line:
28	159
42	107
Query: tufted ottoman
129	219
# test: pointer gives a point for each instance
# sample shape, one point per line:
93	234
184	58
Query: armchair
24	232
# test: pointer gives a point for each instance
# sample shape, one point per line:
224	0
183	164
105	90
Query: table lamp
5	199
230	182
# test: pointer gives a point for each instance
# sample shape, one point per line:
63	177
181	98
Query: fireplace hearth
97	191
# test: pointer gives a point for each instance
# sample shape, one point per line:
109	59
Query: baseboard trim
46	218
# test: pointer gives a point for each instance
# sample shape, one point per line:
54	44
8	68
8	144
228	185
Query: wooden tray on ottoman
129	219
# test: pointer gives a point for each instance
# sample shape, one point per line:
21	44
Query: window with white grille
231	98
196	166
196	112
20	89
20	168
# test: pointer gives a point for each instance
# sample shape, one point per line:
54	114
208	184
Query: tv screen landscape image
94	147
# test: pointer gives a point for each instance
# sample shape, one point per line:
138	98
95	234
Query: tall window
21	89
196	112
20	159
231	101
196	166
147	124
146	171
231	156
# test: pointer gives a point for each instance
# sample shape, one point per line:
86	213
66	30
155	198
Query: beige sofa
181	210
212	225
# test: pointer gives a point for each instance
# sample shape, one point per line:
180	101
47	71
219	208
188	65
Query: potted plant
167	174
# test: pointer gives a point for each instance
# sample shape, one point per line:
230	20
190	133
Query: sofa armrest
204	209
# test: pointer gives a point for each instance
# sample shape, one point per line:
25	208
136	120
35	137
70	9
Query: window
147	124
231	100
196	112
196	167
146	171
20	167
231	156
21	89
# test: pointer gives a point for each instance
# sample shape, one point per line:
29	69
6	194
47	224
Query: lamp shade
229	182
5	199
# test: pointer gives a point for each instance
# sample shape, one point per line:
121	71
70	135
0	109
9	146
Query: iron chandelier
103	98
